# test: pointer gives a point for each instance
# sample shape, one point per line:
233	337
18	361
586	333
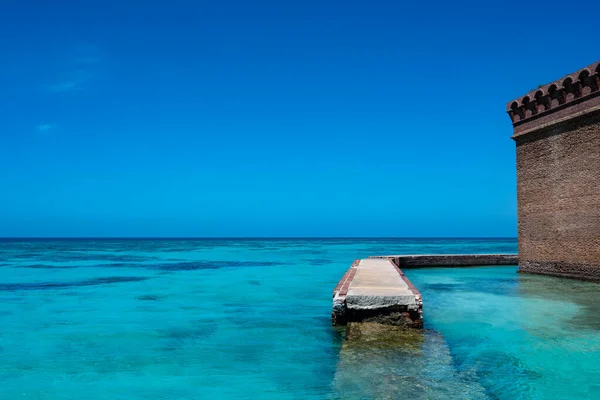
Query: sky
271	118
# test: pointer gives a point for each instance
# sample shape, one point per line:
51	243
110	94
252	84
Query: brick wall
557	135
558	175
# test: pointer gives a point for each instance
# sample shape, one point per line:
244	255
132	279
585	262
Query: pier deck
375	289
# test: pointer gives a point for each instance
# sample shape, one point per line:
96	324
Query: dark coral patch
317	261
197	265
149	297
59	285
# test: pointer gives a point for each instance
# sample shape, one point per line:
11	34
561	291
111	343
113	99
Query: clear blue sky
271	118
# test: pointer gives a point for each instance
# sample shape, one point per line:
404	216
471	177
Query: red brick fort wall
557	135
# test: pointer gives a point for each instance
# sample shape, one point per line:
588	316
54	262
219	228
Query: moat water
227	319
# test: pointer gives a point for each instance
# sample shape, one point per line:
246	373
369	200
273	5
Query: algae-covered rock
377	335
379	361
397	318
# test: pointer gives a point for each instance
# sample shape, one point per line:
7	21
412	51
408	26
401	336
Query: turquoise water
191	319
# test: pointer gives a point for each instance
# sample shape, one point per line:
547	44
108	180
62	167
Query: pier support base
375	290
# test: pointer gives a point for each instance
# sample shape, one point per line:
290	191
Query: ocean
250	319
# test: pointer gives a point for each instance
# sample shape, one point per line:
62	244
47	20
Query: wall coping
571	96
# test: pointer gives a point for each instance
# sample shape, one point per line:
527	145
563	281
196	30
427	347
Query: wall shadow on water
386	362
585	295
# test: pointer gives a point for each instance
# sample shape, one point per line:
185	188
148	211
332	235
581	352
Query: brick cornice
569	97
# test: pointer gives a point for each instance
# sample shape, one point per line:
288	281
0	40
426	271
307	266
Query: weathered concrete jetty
451	260
376	290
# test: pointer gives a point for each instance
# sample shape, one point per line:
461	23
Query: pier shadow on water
387	362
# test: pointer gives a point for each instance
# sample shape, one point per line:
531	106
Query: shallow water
189	319
523	336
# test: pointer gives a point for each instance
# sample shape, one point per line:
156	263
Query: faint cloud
45	128
78	69
87	60
86	54
74	80
63	86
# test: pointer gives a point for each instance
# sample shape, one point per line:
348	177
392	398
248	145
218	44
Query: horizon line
243	237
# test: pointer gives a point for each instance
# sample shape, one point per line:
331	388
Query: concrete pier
376	290
451	260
